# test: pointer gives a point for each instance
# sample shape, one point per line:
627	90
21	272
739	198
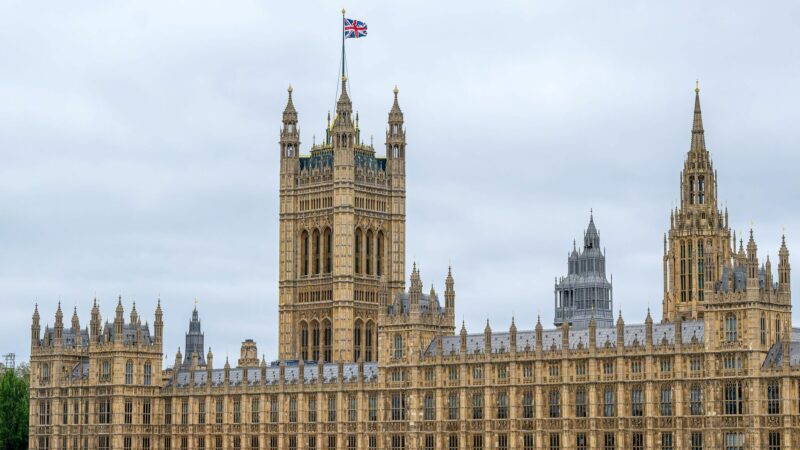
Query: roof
424	303
663	334
775	355
271	374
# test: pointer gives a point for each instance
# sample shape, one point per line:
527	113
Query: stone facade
718	372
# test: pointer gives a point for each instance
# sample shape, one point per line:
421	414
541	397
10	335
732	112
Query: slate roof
663	334
253	376
424	303
775	355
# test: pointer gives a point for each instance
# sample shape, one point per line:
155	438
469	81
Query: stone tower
194	341
585	292
698	244
342	230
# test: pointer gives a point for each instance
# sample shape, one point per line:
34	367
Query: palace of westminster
364	363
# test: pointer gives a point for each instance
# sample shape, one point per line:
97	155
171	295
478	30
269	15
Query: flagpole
343	43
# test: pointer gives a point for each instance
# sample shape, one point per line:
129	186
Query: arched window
368	338
317	250
357	256
396	151
368	265
304	341
701	189
148	374
691	190
290	150
357	341
129	372
315	340
327	342
730	328
763	330
777	330
304	253
398	346
328	250
379	254
45	373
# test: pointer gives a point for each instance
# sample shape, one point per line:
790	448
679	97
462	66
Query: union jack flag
354	28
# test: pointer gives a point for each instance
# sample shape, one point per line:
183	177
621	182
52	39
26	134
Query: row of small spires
95	322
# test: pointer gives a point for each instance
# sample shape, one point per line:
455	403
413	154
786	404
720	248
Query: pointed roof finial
697	86
395	90
698	134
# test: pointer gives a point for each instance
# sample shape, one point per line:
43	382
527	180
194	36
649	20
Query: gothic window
777	330
580	402
763	330
317	250
733	403
733	441
608	403
304	340
730	328
357	255
691	190
554	403
328	250
398	406
700	270
396	151
696	440
255	410
357	341
129	372
637	401
701	187
477	406
452	406
773	397
45	373
502	405
696	400
368	338
290	150
398	346
666	401
304	253
527	405
315	341
148	374
368	248
683	271
690	258
379	254
312	408
430	407
328	341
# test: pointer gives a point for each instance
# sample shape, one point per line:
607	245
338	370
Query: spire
59	316
76	324
591	238
289	111
395	112
344	106
698	136
134	314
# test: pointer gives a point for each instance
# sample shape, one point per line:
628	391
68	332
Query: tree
13	411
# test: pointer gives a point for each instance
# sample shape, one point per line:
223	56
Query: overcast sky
139	157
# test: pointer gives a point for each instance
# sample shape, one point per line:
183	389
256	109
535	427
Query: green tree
13	411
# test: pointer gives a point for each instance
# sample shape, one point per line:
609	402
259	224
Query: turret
592	334
58	328
620	332
752	264
76	325
35	327
158	325
463	338
648	330
449	295
487	338
512	334
784	270
134	315
396	138
415	290
210	360
539	343
290	137
119	322
94	324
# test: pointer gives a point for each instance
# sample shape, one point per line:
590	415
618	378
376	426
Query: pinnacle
289	103
698	137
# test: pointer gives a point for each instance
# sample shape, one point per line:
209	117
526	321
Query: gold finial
290	88
396	90
696	85
342	11
195	301
344	77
